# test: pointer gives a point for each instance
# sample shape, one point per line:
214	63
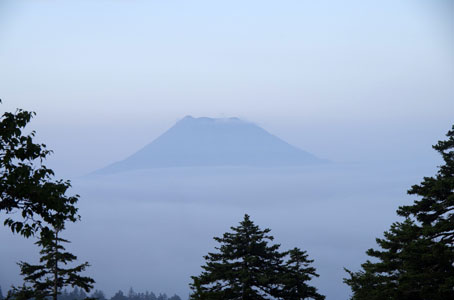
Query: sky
339	79
354	81
345	80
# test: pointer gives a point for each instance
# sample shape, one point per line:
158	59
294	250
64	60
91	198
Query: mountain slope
214	142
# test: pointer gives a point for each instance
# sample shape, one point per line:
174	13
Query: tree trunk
55	292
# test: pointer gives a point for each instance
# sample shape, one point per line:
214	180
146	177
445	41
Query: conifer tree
243	269
119	296
36	204
151	296
297	271
247	267
99	295
416	259
435	210
48	278
162	296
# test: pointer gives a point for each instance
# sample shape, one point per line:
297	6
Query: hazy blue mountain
193	142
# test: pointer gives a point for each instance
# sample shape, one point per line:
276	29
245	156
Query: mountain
205	141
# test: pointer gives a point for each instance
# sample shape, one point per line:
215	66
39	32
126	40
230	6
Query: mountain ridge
204	141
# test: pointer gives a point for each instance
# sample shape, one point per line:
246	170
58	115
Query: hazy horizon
107	77
367	85
149	229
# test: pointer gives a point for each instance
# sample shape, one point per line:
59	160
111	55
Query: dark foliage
41	206
247	267
295	274
27	187
79	294
416	260
49	277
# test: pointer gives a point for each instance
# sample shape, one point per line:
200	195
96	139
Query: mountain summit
205	141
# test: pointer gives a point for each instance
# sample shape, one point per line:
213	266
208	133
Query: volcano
205	142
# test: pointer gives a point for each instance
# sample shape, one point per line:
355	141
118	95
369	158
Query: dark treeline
80	294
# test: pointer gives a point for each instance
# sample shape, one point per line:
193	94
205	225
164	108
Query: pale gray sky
346	80
350	81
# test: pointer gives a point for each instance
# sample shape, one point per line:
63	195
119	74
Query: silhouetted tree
27	188
435	210
119	296
162	297
295	274
150	296
247	267
416	260
77	294
97	294
131	293
48	278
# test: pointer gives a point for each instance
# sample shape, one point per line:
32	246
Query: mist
367	86
150	229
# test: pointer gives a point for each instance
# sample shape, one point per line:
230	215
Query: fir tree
119	296
162	297
295	275
416	259
36	203
131	293
246	266
48	278
435	210
409	267
150	296
99	295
